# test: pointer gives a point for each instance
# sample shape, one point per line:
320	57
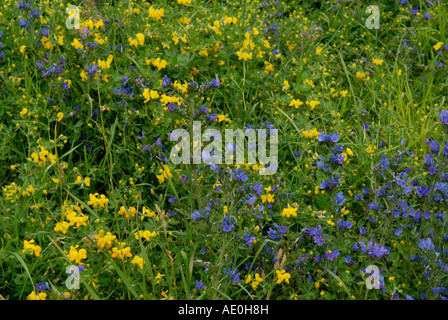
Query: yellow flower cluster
165	99
138	261
269	198
158	63
313	103
12	192
75	255
146	234
139	41
31	248
148	95
74	216
156	13
289	212
255	282
34	296
164	174
295	103
105	64
310	134
282	275
105	240
95	202
131	212
42	157
148	212
121	253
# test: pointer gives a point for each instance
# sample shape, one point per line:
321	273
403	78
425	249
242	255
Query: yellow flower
282	276
289	212
156	13
31	248
159	64
244	55
34	296
313	104
60	115
437	46
62	227
75	255
105	241
83	75
148	212
121	253
87	182
141	38
23	112
295	103
310	134
184	20
78	45
138	261
22	49
350	152
164	174
377	62
131	212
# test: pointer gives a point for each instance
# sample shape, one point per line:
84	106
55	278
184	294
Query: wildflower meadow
223	150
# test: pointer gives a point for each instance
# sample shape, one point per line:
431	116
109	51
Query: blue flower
339	200
227	224
166	81
426	244
232	274
333	255
373	250
274	235
249	240
443	116
199	285
43	286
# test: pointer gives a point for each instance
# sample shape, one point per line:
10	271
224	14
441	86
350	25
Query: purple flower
331	255
199	285
433	145
373	250
214	83
339	200
166	81
232	274
345	224
227	224
426	244
249	240
252	200
423	191
374	206
43	286
274	235
443	116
